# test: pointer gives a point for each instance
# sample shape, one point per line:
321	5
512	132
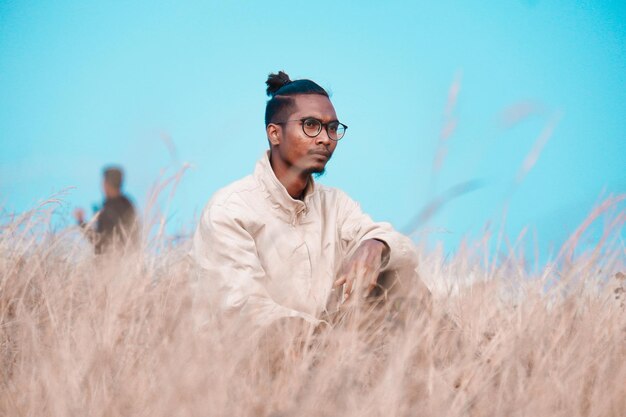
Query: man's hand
363	267
79	215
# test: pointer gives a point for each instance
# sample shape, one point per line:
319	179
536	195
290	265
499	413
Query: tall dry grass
93	336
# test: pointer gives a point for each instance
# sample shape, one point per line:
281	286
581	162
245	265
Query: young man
116	223
275	244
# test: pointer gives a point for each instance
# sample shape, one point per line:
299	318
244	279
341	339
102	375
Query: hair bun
275	82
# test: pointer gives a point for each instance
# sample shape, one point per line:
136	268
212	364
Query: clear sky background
85	84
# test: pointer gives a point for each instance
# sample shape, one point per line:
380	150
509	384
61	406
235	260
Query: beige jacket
270	256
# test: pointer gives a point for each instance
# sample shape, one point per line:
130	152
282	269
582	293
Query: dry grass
95	337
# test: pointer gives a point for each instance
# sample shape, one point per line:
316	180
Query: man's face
109	190
299	151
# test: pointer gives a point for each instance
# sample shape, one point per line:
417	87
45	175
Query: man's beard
319	173
315	172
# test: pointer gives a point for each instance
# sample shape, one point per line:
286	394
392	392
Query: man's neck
294	180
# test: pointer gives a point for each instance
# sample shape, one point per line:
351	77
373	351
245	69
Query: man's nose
323	137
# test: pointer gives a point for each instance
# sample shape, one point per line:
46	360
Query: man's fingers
362	280
360	274
340	281
347	280
370	281
369	290
348	288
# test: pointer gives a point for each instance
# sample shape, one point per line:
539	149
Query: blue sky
85	84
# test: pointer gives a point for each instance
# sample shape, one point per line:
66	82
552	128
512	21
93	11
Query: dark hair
114	176
281	91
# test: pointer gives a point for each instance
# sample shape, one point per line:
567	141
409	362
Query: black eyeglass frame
321	125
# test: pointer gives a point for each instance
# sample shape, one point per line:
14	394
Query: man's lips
321	153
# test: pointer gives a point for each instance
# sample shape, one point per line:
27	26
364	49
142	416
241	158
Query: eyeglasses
312	127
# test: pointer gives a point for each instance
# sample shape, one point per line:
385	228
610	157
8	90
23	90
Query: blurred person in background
278	245
116	223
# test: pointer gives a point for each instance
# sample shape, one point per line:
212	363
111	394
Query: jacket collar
276	192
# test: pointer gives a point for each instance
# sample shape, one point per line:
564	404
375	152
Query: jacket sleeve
229	264
357	227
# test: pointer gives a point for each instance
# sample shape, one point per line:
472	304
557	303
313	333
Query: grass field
82	336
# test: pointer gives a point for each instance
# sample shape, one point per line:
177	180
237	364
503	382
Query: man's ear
274	134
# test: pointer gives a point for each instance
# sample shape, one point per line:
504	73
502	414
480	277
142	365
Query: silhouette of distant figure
116	224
